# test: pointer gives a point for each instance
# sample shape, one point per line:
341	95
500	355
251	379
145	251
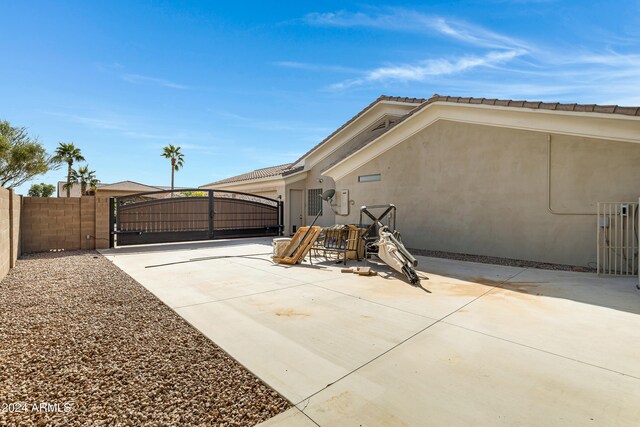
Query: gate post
112	220
281	218
211	205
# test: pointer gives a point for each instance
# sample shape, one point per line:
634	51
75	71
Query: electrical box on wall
343	202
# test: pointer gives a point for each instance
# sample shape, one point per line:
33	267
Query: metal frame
389	210
617	238
168	216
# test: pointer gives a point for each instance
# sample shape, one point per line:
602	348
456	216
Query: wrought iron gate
194	214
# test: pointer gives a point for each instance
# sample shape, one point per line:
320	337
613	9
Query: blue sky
243	85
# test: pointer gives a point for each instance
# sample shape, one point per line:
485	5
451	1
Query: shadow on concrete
614	292
188	246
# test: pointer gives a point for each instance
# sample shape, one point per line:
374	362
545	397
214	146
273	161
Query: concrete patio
478	345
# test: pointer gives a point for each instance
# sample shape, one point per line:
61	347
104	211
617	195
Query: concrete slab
290	417
448	376
439	295
195	274
299	340
545	310
510	346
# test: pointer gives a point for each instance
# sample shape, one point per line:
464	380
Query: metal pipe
598	227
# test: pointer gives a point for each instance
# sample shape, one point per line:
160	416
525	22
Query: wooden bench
343	240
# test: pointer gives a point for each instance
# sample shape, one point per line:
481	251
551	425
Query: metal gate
194	214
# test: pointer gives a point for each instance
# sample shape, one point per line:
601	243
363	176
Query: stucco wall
483	190
64	223
10	206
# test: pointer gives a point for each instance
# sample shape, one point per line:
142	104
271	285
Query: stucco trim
591	125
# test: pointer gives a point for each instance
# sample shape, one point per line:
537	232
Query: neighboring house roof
168	187
127	186
116	186
255	174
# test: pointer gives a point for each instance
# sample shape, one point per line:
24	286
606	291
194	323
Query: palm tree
84	177
177	159
68	153
93	185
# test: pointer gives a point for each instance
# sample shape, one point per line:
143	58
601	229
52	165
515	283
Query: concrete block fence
37	224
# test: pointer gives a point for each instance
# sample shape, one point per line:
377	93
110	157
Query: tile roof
255	174
423	103
537	105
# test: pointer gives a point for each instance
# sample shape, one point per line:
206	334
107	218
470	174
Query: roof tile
255	174
629	111
604	108
548	105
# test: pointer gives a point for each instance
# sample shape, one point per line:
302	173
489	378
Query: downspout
549	185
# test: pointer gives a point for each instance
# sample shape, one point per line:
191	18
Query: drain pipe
549	185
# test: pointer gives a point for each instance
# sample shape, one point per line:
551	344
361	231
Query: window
369	178
314	202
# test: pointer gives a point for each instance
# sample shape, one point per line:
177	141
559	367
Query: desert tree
41	190
22	157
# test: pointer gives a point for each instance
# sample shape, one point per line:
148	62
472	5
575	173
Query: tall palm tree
177	159
68	153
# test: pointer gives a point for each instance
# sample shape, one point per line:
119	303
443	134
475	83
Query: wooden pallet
299	246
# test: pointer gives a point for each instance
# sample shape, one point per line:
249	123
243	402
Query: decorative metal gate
194	214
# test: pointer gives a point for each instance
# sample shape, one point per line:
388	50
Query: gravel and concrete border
83	338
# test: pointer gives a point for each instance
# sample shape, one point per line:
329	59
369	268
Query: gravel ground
500	261
77	332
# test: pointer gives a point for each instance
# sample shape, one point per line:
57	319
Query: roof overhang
295	177
584	124
351	129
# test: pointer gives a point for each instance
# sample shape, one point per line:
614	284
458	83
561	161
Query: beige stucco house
479	176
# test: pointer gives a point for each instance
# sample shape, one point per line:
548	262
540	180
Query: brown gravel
500	261
76	330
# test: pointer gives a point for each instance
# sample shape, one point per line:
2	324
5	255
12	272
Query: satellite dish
328	195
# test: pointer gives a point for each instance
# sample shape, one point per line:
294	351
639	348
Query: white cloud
154	81
431	67
397	19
